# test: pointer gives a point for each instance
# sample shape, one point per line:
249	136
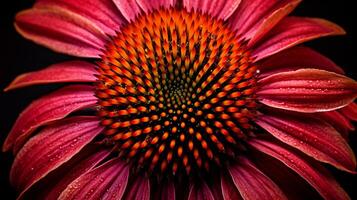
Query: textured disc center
176	92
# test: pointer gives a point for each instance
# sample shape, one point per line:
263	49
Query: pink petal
307	90
139	189
107	181
317	176
73	71
102	13
314	137
297	58
229	190
51	186
292	31
252	183
53	146
150	5
216	8
128	8
52	107
61	30
253	19
200	191
350	111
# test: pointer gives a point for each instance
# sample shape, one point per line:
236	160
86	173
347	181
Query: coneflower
183	99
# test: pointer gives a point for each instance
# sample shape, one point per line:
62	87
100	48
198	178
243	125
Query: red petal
350	111
252	183
314	137
140	189
47	109
337	120
317	176
200	191
54	183
253	19
307	90
53	146
107	181
297	58
292	31
74	71
61	30
216	8
128	8
149	5
229	191
101	13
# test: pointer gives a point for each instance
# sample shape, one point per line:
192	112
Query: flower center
176	92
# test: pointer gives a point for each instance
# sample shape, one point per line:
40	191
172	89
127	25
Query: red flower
186	99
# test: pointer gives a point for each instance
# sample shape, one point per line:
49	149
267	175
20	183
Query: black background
18	55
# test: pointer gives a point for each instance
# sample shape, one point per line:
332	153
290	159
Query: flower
182	99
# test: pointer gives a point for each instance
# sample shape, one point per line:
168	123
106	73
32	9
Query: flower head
182	100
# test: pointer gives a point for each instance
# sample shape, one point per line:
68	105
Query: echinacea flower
191	99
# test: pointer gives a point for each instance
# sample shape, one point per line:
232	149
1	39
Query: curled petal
107	181
49	108
307	90
200	192
61	30
53	146
297	58
128	8
149	5
314	137
73	71
316	175
292	31
252	183
102	13
253	19
216	8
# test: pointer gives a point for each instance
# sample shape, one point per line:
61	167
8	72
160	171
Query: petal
216	8
128	8
297	58
73	71
252	183
314	137
107	181
54	183
61	30
53	146
317	176
307	90
292	31
350	111
253	19
52	107
165	190
139	189
200	191
337	120
229	191
149	5
102	13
